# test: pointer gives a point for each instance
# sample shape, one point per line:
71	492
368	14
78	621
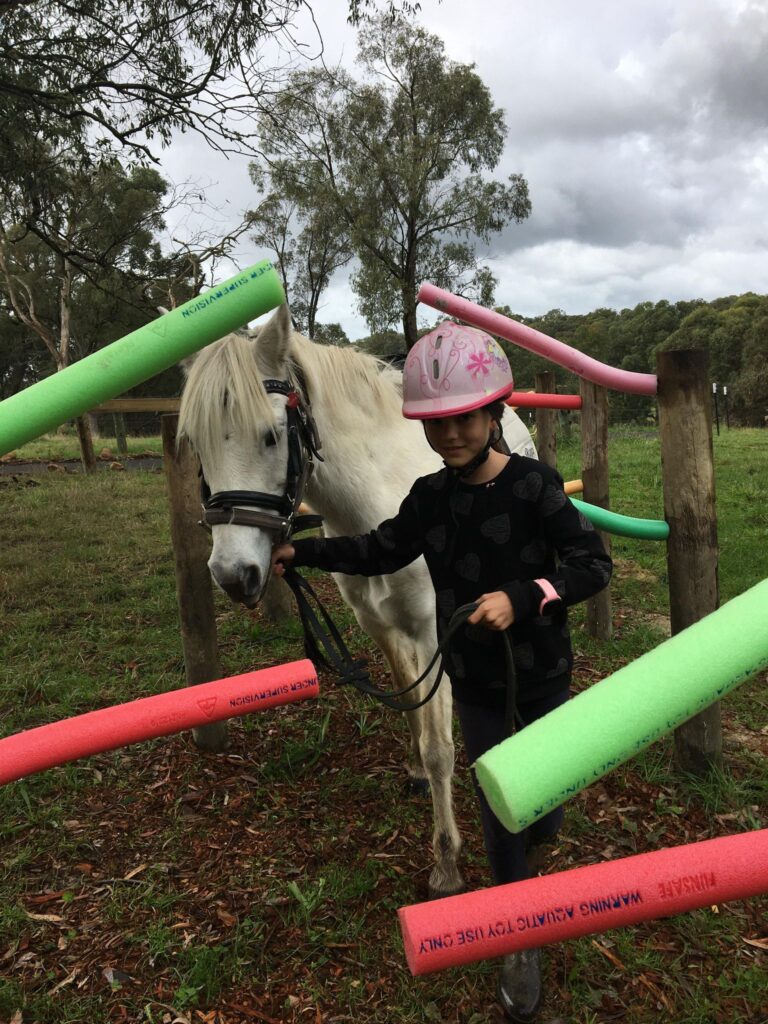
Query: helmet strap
473	464
494	437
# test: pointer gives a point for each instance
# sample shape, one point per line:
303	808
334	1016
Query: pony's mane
225	375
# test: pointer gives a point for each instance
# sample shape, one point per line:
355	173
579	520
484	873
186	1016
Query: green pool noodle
127	362
623	526
561	754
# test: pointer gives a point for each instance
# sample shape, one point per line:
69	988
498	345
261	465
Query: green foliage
733	329
79	281
309	247
123	73
330	334
383	343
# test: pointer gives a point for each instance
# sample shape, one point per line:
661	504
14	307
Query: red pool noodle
522	915
543	400
109	728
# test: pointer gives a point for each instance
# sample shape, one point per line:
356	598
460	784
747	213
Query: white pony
371	456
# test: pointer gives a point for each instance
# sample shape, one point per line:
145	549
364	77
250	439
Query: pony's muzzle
243	584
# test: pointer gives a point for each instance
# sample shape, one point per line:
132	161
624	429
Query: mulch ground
224	842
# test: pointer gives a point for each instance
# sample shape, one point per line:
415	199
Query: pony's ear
273	342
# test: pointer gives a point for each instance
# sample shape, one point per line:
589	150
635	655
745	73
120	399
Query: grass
262	884
64	446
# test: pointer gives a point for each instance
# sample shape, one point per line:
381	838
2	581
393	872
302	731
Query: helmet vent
435	369
438	341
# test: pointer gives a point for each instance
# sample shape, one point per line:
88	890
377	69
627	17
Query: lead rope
326	647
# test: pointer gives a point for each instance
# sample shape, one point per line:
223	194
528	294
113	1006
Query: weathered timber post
87	454
546	421
594	474
193	582
120	439
688	474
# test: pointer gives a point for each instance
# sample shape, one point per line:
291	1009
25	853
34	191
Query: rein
323	643
326	647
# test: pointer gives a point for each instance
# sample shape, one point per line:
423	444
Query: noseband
276	513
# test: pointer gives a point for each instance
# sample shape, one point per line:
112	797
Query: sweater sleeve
584	567
394	544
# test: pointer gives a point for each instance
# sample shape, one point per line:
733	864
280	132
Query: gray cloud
641	127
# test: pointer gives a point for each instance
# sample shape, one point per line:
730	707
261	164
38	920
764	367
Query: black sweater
480	538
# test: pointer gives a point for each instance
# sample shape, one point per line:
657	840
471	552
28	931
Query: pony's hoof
417	786
213	738
441	894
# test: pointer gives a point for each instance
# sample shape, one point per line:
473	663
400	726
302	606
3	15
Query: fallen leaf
64	983
609	955
136	871
757	943
52	918
115	977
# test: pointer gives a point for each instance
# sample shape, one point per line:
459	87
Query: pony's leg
417	783
437	752
432	752
401	657
213	737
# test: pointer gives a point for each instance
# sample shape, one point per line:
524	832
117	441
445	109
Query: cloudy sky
641	127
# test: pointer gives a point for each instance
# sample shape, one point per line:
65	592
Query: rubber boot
519	986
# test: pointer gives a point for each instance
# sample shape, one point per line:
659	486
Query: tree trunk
410	327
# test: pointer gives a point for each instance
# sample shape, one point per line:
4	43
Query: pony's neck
371	454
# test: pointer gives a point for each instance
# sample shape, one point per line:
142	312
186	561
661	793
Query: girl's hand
282	554
494	611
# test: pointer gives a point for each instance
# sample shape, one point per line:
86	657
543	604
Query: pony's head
238	430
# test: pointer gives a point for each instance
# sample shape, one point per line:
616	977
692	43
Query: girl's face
458	439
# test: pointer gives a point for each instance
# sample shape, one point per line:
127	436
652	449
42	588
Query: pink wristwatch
549	592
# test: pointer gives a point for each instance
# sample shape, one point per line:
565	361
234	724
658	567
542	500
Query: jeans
483	728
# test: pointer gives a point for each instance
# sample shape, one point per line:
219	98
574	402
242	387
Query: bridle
277	513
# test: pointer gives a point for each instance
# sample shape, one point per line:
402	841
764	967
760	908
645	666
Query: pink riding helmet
454	369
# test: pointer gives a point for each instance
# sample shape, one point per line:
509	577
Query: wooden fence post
193	582
87	454
688	474
121	441
546	420
594	474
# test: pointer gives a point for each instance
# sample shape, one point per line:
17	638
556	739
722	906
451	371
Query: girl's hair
496	411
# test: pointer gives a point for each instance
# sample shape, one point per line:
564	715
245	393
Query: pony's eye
270	440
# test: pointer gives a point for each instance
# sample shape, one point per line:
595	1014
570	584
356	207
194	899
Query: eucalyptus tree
308	247
135	71
401	158
73	303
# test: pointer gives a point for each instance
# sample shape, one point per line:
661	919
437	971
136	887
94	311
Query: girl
494	529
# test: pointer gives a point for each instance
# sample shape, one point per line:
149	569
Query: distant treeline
734	330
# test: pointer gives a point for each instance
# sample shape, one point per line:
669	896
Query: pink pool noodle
534	341
110	728
493	922
543	400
